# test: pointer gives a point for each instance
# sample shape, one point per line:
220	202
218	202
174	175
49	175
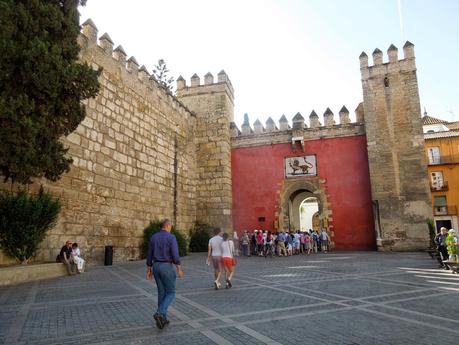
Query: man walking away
162	255
214	253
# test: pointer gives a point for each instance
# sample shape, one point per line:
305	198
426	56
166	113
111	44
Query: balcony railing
439	187
449	159
449	210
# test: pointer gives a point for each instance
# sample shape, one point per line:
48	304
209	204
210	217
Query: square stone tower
213	105
396	154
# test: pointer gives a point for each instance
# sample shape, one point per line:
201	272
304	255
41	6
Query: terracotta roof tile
445	134
429	120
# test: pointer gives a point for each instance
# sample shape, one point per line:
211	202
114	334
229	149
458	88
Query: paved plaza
336	298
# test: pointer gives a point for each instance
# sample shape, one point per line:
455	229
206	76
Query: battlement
223	84
298	123
393	65
271	133
117	58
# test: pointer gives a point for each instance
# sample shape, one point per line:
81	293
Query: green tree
199	237
24	221
41	86
161	74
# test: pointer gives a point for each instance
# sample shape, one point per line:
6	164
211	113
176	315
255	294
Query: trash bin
108	256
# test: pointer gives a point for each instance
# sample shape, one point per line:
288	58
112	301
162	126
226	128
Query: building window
434	155
440	200
437	180
440	206
386	82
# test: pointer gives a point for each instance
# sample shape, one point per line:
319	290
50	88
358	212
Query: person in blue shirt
281	244
162	256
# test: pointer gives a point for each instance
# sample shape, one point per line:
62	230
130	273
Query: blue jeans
165	278
245	249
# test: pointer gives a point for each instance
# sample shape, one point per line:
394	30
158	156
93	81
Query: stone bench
11	275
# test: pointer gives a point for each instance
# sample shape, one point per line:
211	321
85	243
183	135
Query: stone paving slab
336	298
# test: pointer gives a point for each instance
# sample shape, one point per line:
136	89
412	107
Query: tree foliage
161	74
432	232
24	221
41	86
153	228
199	237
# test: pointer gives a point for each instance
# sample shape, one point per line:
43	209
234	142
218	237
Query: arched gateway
295	192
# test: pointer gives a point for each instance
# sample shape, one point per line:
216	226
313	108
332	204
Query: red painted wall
257	173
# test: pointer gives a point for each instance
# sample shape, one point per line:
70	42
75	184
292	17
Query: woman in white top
77	258
228	259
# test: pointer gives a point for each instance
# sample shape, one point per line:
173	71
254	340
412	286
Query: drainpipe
377	218
175	181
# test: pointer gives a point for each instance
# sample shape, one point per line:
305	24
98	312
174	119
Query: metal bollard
108	256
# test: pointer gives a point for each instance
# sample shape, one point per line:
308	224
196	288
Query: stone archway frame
315	185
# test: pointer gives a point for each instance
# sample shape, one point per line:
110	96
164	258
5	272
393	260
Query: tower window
386	82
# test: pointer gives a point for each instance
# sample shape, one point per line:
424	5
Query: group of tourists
266	243
70	256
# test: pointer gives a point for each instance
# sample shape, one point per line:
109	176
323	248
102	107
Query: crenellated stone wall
299	132
213	104
396	154
134	160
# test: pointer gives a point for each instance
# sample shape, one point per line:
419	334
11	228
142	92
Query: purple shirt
163	247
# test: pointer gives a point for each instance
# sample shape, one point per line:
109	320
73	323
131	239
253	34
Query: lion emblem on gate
300	168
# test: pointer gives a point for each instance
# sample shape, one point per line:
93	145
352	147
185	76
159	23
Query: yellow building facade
442	150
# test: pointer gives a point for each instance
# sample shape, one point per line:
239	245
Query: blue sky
290	56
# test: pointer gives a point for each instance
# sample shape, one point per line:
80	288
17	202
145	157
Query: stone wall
398	168
135	137
213	105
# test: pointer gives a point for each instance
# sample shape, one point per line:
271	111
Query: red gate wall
258	172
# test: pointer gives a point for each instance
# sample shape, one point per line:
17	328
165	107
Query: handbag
234	259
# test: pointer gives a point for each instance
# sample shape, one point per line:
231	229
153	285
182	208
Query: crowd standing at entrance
285	243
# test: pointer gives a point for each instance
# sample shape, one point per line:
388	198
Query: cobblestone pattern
348	298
